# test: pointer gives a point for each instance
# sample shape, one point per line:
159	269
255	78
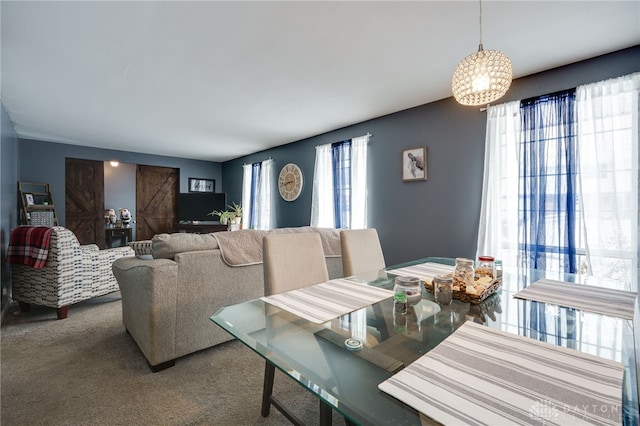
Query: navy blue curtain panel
547	182
256	170
341	159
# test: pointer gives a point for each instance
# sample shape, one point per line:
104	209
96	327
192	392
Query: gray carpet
86	370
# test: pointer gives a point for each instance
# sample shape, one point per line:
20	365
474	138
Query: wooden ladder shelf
36	206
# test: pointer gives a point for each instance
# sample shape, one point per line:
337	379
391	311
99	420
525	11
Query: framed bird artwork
414	163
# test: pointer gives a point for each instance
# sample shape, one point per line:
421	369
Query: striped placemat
424	271
322	302
600	300
480	375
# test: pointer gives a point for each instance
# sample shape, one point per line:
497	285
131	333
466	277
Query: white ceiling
218	80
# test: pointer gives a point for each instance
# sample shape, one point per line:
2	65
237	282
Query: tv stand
199	227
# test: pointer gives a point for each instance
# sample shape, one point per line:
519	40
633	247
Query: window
257	198
593	168
339	197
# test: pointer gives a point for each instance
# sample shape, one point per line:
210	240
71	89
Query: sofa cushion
166	246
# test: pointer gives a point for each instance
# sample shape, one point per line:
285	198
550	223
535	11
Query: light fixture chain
480	19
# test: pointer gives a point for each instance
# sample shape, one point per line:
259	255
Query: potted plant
225	216
236	212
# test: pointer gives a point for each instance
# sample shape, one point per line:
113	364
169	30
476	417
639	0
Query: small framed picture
202	185
29	199
414	164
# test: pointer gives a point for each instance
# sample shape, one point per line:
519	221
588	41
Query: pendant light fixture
482	77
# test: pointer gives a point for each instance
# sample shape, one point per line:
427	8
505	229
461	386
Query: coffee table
347	380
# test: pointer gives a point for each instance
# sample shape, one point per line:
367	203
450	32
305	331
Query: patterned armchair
72	273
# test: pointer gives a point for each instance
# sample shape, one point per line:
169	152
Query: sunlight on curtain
246	194
265	217
608	163
257	195
322	196
359	179
498	231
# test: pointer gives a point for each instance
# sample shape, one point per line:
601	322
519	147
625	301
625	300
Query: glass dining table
346	380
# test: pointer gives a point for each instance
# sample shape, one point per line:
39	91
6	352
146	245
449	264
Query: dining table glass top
316	356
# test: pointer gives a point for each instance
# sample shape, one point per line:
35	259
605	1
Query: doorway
84	200
156	200
157	191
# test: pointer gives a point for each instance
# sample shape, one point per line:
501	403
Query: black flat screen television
196	206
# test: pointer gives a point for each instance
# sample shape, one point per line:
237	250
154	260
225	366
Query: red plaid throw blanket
29	245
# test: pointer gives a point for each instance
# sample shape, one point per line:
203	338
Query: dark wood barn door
157	191
84	200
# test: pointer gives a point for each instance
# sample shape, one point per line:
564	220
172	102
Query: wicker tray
470	298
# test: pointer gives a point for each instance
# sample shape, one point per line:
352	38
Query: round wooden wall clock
290	182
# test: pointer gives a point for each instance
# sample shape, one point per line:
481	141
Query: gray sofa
177	281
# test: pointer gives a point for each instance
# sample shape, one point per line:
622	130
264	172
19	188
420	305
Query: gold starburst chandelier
482	77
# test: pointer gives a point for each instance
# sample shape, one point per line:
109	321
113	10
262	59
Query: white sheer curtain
608	175
264	197
322	204
246	194
498	230
359	182
259	196
322	196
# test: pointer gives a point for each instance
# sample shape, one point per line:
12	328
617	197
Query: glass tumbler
443	289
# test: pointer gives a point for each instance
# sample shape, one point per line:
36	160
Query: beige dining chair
361	251
290	261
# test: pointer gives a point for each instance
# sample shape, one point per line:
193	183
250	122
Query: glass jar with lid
409	286
463	274
443	289
486	267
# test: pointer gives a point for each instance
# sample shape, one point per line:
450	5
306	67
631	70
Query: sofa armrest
149	291
119	252
102	259
96	267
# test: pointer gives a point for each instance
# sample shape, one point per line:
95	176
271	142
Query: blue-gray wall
38	161
9	173
45	162
437	217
